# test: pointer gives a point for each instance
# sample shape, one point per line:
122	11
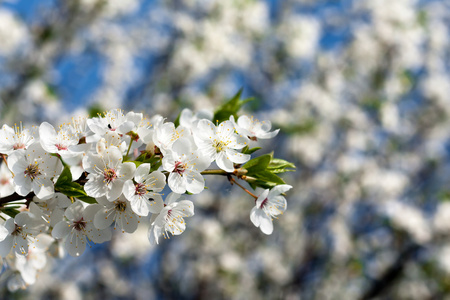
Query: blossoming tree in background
359	91
75	184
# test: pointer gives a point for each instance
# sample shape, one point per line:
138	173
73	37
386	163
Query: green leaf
95	110
231	107
177	120
75	190
257	164
11	211
278	165
65	185
262	184
155	166
154	161
282	170
246	150
65	177
268	176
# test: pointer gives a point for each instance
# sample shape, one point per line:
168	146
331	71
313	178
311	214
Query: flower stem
129	147
233	181
214	172
6	162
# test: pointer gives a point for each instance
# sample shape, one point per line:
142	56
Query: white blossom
171	218
107	173
34	170
23	230
15	138
6	181
144	192
118	212
269	205
253	128
185	165
79	229
220	144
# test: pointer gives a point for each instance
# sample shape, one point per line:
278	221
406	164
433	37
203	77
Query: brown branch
15	197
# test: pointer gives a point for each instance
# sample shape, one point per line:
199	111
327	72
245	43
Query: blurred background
360	89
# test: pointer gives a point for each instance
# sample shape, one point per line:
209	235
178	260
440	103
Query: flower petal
177	183
265	223
224	163
61	230
194	182
141	171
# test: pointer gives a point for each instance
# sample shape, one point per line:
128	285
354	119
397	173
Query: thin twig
233	181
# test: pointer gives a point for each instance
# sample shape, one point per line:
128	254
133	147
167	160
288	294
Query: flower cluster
66	187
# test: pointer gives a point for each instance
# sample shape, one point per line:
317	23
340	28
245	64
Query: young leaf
269	177
73	189
246	150
278	165
231	107
65	177
257	164
11	211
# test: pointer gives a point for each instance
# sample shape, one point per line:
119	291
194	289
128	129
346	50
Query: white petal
177	183
90	211
93	162
141	171
95	187
129	189
225	129
157	181
24	188
279	189
13	158
20	245
75	243
262	197
168	161
104	218
127	170
187	207
154	233
10	225
224	163
47	134
100	235
199	161
266	223
194	182
115	191
267	135
157	204
75	211
128	221
140	206
136	118
125	127
172	197
182	146
237	157
43	189
56	216
3	232
6	245
254	217
61	229
205	130
245	122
